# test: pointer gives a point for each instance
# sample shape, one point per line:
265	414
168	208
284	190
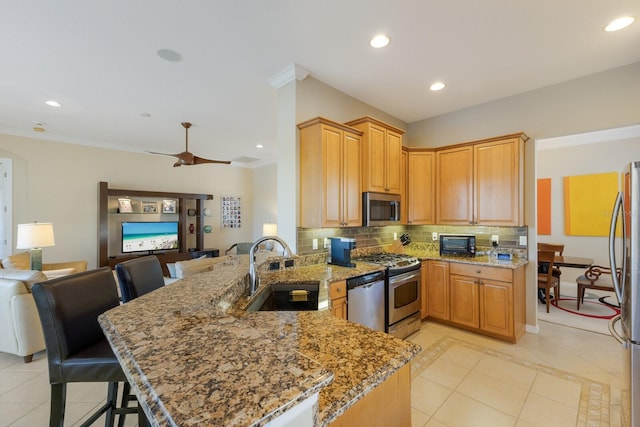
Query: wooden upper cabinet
381	155
421	180
454	186
498	182
481	183
330	191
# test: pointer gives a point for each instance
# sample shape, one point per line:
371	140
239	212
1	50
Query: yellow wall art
588	202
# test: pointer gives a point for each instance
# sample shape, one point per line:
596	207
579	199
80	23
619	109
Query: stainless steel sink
287	296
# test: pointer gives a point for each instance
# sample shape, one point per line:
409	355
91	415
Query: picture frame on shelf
149	207
169	206
124	206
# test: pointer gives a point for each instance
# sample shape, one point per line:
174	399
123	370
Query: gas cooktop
393	262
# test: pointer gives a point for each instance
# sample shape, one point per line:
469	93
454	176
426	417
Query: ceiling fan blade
164	154
199	160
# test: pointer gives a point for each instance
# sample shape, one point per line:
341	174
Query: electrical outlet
434	236
315	244
327	242
395	236
523	240
495	239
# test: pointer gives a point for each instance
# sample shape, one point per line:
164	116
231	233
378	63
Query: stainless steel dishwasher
366	301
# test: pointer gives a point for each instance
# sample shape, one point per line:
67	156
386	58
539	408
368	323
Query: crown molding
290	73
606	135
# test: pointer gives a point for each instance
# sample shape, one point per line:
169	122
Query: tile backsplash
509	237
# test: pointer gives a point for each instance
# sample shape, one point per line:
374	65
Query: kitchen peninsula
194	359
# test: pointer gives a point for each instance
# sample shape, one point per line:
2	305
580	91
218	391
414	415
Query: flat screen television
149	236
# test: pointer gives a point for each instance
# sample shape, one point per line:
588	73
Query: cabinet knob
339	289
478	271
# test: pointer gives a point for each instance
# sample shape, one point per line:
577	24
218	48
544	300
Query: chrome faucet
253	275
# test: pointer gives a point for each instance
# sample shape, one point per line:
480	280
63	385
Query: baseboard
532	329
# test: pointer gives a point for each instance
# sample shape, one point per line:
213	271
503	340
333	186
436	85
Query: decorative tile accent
594	397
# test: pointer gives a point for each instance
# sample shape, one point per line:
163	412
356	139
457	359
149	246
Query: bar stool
77	350
139	276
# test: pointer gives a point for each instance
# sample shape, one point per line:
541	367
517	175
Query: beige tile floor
559	377
460	379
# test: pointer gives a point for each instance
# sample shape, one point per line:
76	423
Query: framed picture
231	214
169	206
149	207
124	206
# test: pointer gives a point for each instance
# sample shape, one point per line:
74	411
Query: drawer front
493	273
338	289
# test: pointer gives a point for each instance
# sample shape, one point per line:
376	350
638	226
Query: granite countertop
194	360
426	254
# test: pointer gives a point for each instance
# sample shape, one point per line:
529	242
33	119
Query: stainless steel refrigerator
624	253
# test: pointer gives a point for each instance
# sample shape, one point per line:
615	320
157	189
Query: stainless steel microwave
458	245
380	209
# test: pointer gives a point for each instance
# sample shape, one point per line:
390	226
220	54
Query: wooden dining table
572	261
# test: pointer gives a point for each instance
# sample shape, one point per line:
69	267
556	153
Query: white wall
265	198
58	183
592	158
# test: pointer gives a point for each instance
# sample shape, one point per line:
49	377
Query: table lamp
35	236
269	230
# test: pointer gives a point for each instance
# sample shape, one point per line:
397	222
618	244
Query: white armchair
20	328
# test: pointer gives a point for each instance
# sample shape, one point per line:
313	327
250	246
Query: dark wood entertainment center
184	200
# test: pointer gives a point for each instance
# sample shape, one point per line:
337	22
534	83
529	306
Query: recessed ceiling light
619	23
259	146
379	41
437	86
169	55
52	103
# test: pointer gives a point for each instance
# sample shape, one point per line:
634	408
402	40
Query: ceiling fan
186	157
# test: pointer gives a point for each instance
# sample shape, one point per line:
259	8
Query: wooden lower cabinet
338	299
389	404
489	300
464	301
438	299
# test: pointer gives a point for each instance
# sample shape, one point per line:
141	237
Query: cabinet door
464	300
496	307
438	290
421	185
374	160
339	308
332	169
392	163
424	273
454	186
497	183
404	199
352	196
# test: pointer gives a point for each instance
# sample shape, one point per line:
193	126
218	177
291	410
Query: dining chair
596	277
558	249
548	281
139	276
77	350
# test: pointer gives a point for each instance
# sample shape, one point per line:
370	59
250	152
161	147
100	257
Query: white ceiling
98	58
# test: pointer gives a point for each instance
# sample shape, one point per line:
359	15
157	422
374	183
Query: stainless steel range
402	296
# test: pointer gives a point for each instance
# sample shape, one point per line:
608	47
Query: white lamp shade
35	235
269	229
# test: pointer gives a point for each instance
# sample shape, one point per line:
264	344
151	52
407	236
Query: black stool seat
96	363
139	276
